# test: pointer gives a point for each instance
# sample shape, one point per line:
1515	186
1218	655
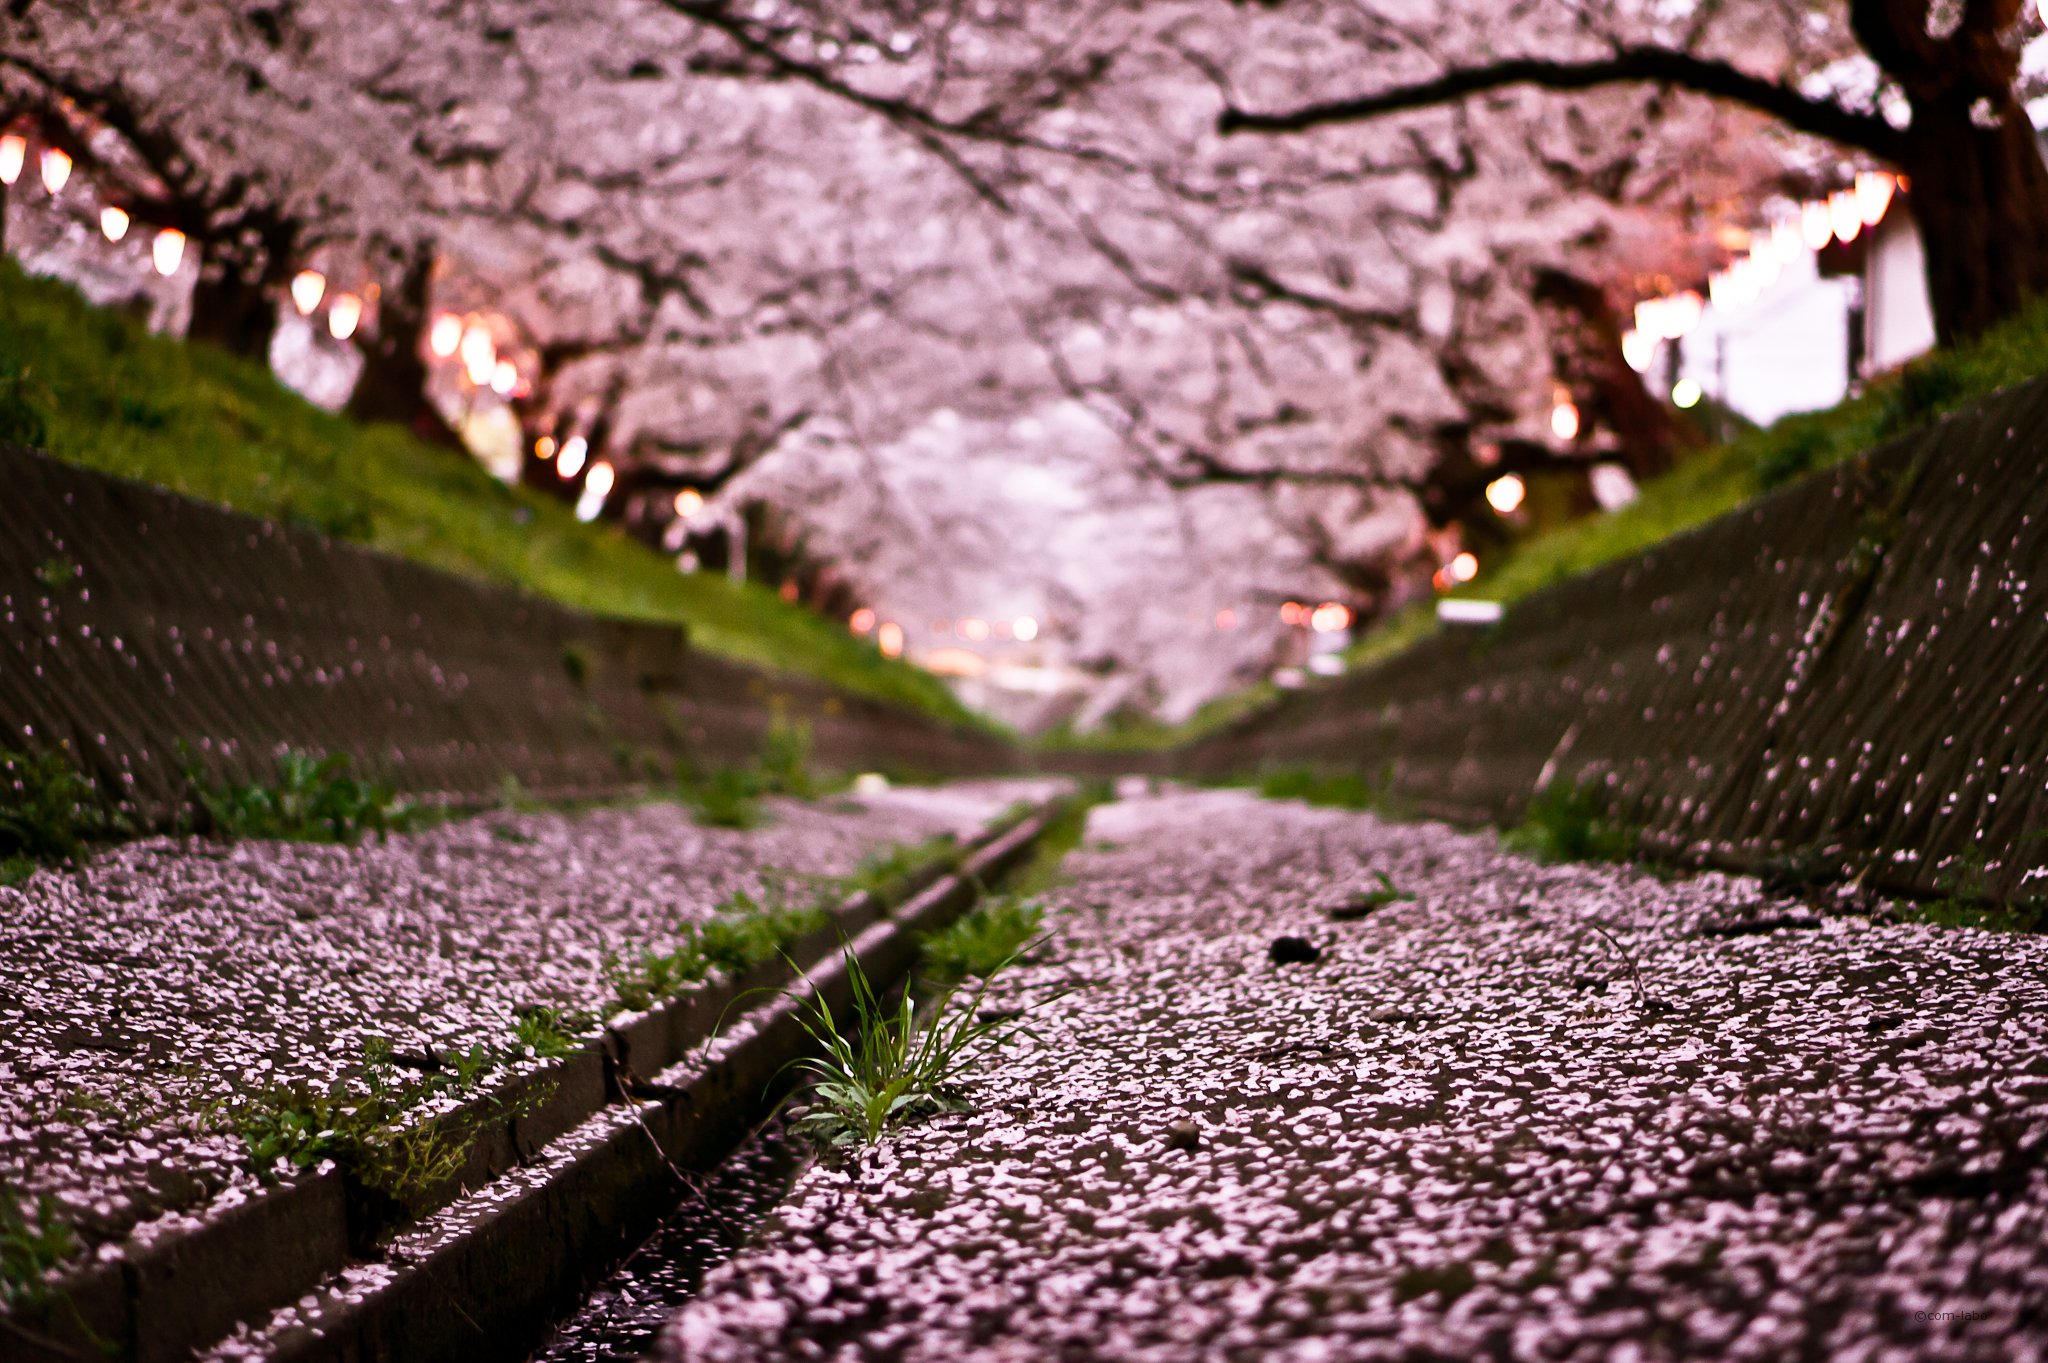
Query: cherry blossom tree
853	261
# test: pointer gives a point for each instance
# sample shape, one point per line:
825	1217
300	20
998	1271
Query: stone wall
1846	678
142	632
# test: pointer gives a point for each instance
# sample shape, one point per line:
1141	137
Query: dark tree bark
393	385
232	308
1977	187
1650	437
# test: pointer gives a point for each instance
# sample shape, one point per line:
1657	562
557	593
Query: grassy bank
1708	484
92	387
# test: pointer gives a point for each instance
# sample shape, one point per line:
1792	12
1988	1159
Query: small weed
884	874
656	975
49	811
744	933
785	761
363	1134
547	1033
985	939
314	799
1966	901
1571	823
728	798
889	1065
1344	790
29	1249
1359	903
749	931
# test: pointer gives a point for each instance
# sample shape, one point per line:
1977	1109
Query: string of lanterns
1841	216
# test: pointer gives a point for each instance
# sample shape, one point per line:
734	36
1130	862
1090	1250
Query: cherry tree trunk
393	385
232	311
1979	195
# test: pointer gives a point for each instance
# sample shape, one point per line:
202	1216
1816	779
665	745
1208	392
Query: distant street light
13	153
113	222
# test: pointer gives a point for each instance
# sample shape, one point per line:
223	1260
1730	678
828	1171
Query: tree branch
1626	65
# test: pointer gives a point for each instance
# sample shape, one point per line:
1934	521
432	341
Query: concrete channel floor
1566	1112
167	977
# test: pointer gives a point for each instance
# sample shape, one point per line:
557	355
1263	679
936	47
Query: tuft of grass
366	1135
1966	901
729	797
313	799
985	939
1340	790
92	387
881	1066
885	873
547	1033
49	812
30	1246
1571	823
745	932
784	764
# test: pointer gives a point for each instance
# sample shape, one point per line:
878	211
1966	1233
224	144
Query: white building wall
1898	321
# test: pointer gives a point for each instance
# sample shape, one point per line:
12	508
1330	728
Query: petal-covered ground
1534	1112
167	977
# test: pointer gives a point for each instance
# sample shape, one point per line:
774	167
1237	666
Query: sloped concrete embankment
144	631
568	1165
1842	679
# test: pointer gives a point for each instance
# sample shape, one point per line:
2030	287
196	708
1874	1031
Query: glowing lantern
601	480
1564	420
1505	494
573	451
1329	617
1465	567
167	251
1650	318
343	315
504	378
1291	613
445	335
56	169
974	629
890	639
1026	628
479	355
861	621
1638	348
1845	217
689	502
1686	393
113	222
1873	195
1226	618
13	153
544	448
308	288
1816	225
